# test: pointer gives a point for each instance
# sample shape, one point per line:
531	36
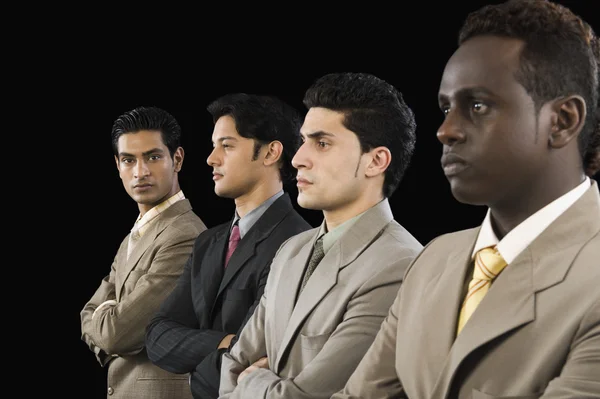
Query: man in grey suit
329	288
510	309
146	144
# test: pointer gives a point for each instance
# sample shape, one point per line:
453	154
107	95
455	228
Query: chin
306	203
467	195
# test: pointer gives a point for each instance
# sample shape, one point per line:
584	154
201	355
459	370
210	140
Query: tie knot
318	252
488	264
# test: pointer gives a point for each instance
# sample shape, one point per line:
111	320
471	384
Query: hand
224	344
262	363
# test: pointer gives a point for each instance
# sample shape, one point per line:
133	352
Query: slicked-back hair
148	118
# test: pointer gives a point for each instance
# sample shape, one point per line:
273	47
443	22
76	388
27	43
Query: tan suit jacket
314	346
139	285
536	334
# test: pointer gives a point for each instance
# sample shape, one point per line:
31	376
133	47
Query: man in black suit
254	139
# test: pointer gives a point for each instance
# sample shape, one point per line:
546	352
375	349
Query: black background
181	60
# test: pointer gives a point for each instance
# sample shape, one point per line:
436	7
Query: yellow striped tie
488	265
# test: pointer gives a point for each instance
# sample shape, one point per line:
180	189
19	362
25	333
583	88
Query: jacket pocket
313	342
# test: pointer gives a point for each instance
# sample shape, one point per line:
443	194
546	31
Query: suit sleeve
174	341
105	291
249	347
120	329
579	376
209	369
375	377
364	315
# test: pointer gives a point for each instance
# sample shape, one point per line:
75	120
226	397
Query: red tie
234	239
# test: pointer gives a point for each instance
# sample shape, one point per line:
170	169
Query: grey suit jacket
314	346
536	334
139	285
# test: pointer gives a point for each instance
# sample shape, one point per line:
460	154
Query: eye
479	107
445	109
127	160
322	144
154	157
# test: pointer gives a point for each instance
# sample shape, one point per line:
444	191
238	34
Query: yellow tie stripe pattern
488	265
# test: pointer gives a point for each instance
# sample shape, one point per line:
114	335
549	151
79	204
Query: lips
453	164
302	182
142	187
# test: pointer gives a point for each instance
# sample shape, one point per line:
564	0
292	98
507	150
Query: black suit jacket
210	301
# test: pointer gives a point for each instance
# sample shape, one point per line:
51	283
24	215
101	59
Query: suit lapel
140	247
343	252
508	305
212	270
156	227
443	304
257	233
510	302
286	293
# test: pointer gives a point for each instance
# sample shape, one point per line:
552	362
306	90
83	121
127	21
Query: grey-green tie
315	258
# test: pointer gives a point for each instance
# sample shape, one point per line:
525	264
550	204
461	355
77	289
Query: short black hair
264	119
375	111
560	58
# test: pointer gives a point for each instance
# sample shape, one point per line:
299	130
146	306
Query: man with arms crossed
317	317
254	140
146	143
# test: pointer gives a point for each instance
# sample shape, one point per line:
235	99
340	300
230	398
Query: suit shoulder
403	237
188	223
294	243
449	240
444	244
295	222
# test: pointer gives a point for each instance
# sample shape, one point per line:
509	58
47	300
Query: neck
512	211
335	217
258	194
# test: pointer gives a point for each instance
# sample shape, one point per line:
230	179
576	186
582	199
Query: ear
274	152
178	159
567	120
380	160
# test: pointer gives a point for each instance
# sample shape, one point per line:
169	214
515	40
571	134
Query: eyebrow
467	92
221	139
146	153
318	134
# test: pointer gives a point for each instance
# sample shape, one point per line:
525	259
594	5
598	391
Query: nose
301	159
451	131
141	169
212	159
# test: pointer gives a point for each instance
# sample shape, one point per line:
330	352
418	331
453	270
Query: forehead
225	127
141	141
319	119
484	62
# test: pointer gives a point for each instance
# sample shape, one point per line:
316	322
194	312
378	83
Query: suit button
110	390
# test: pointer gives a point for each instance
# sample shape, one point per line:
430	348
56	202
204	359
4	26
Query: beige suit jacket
314	346
536	334
139	285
